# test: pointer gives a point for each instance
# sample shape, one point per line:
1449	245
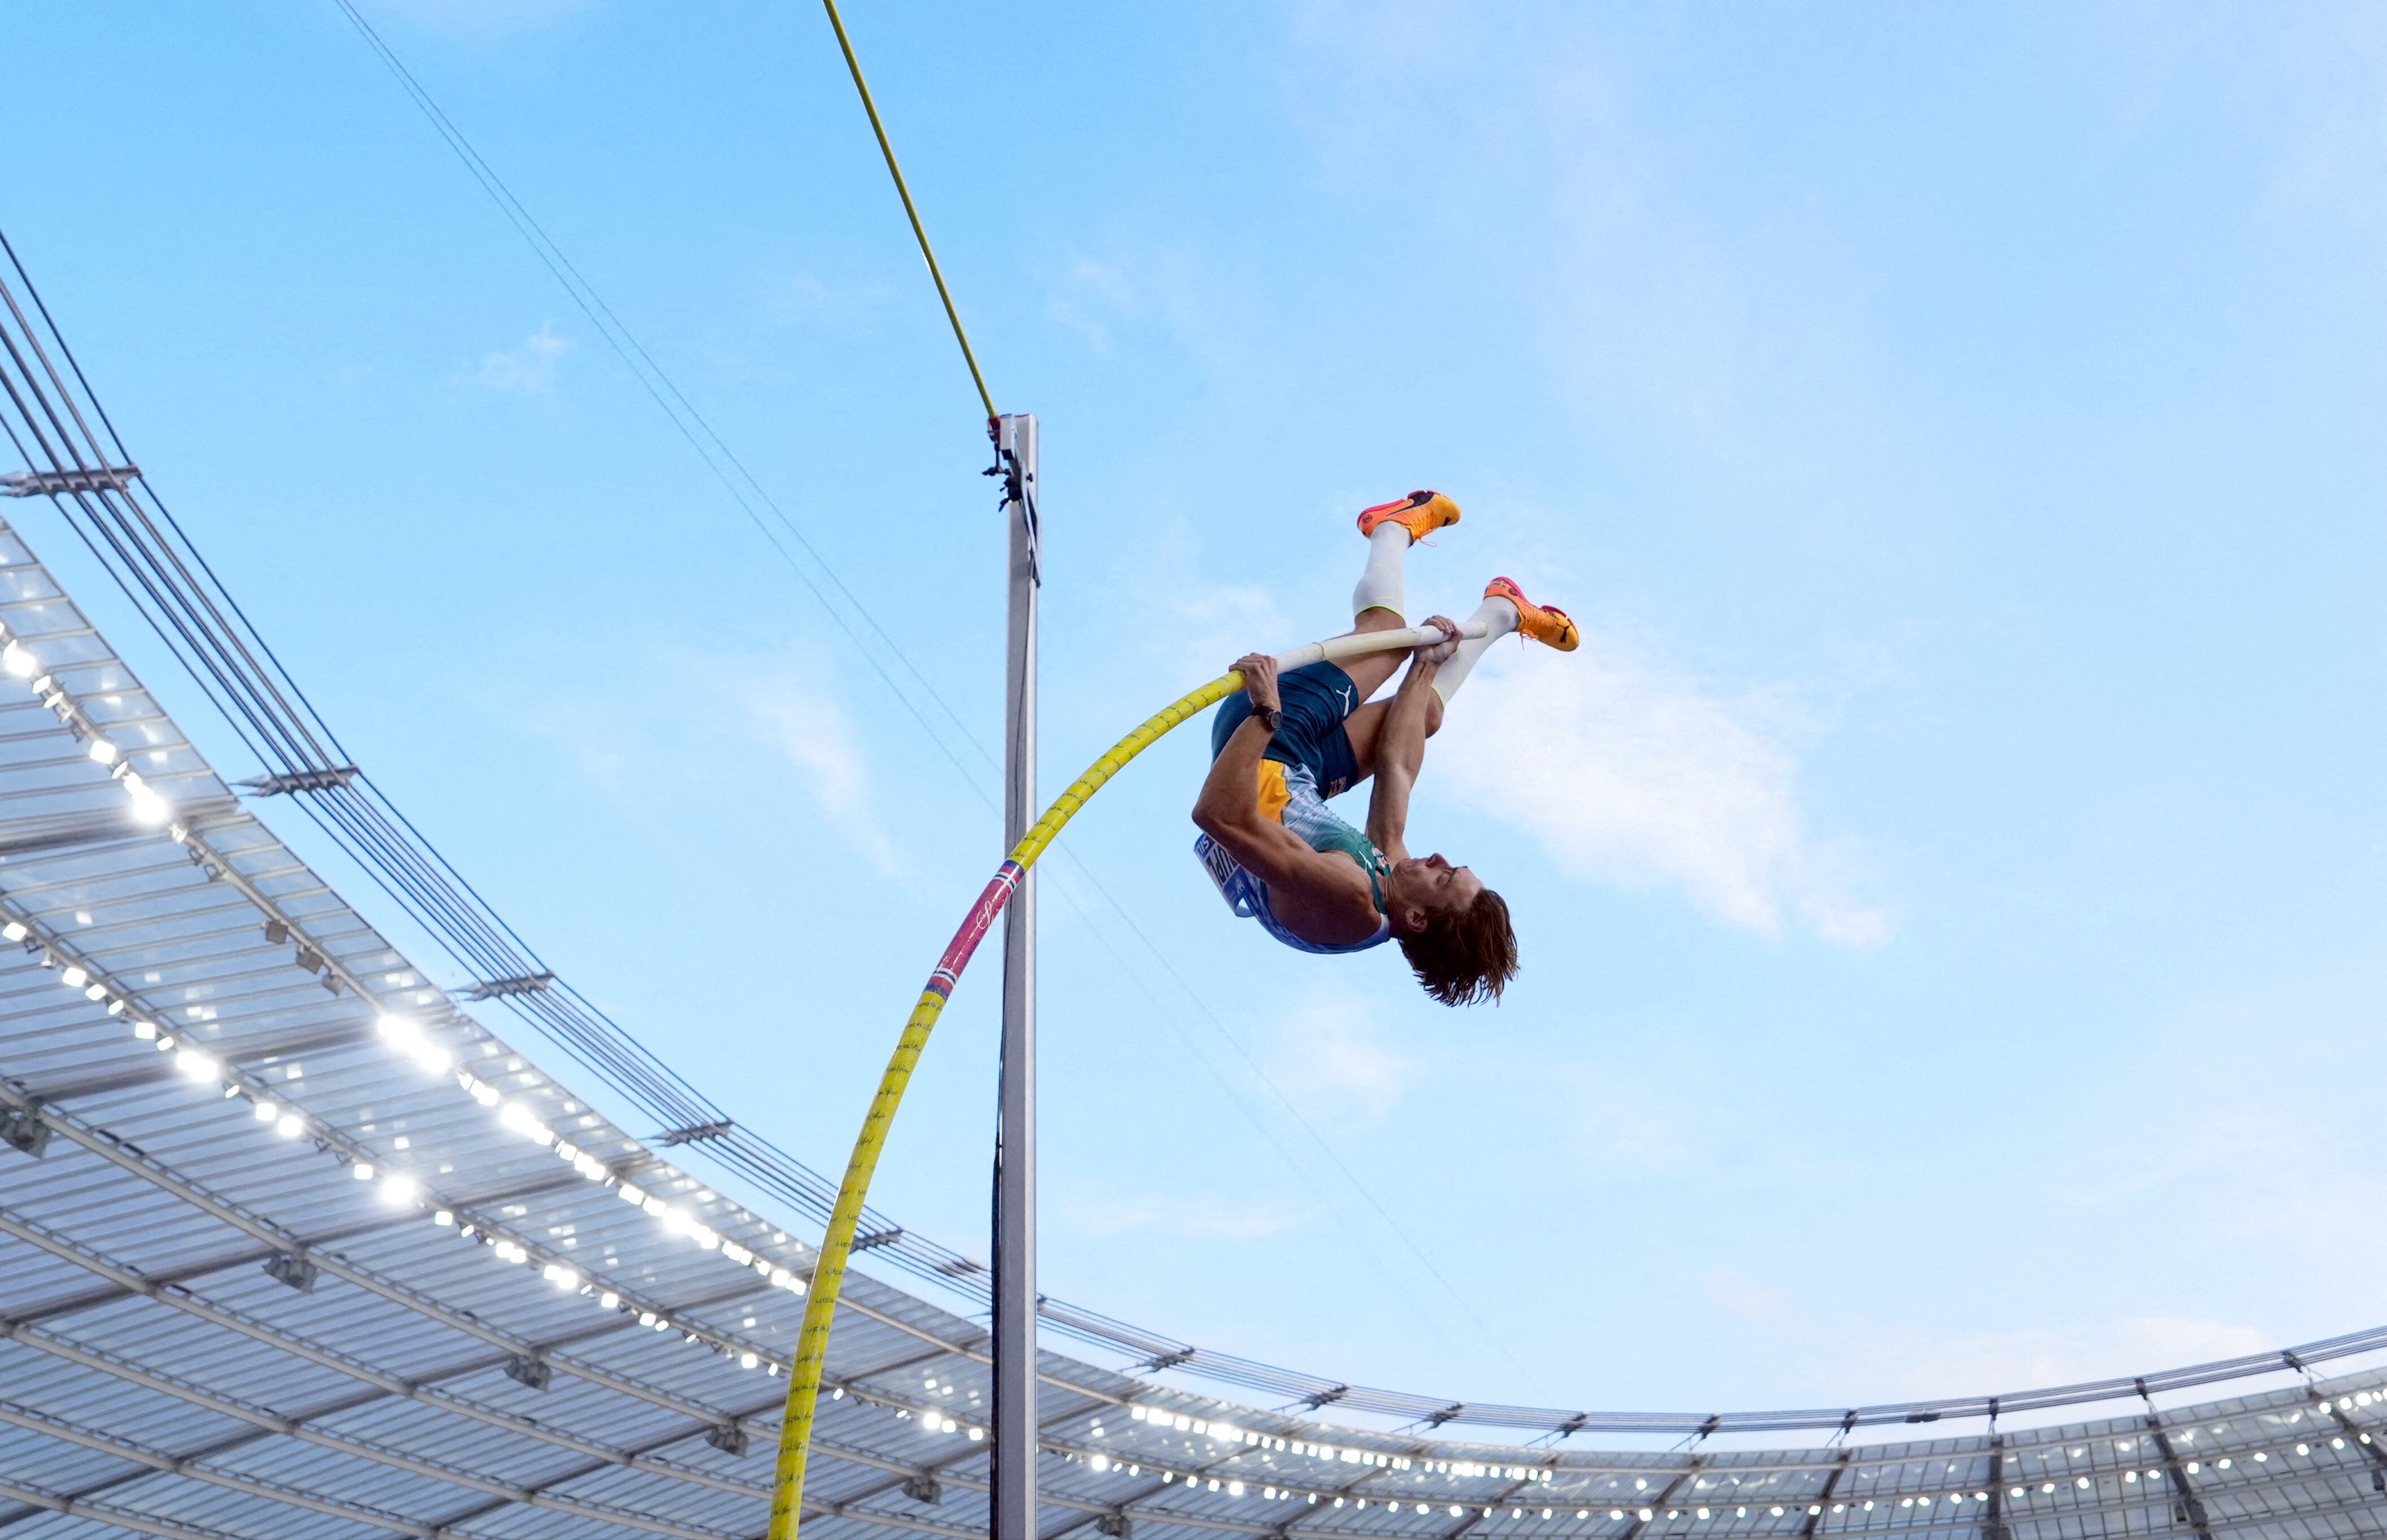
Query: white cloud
1810	1354
810	728
799	300
1736	1294
1330	1052
742	704
1196	631
584	733
528	370
1618	1118
1151	282
1632	775
2128	1345
1088	299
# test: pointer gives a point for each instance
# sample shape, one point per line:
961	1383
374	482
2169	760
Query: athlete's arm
1230	797
1400	746
1229	808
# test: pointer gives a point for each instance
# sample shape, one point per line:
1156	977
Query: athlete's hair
1467	955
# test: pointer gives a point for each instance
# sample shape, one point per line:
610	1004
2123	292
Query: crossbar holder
302	780
36	484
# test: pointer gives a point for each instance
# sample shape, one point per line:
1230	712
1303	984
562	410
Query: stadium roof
291	1245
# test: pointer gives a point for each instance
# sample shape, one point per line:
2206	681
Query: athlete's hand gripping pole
1358	643
836	1245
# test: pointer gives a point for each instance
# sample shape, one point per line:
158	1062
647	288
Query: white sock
1380	585
1499	618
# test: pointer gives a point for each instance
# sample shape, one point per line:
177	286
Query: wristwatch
1269	715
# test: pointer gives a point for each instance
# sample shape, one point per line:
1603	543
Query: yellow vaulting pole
837	1245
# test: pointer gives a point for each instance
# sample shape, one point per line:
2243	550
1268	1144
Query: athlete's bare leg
1378	602
1364	725
1369	671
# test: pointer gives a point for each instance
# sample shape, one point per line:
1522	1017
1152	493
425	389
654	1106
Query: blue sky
1947	878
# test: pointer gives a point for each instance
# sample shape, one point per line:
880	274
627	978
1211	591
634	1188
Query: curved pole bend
836	1245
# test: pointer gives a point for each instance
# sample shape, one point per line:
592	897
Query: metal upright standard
1014	1185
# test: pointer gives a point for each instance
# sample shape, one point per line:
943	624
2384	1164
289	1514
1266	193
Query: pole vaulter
1444	651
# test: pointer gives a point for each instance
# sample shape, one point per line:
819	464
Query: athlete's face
1422	887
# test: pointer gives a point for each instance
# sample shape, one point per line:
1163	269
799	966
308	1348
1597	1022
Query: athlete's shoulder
1334	882
1328	902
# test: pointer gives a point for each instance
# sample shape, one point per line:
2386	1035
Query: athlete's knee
1433	716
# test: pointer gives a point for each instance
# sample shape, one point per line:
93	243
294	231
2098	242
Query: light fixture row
17	660
1135	1466
1228	1433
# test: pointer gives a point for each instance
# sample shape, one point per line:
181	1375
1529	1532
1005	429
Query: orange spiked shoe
1421	513
1546	624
